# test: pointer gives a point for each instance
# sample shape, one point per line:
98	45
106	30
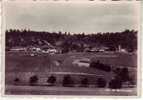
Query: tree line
127	39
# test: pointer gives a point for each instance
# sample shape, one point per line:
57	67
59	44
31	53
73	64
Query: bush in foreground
16	81
33	80
115	84
122	74
84	82
51	80
68	81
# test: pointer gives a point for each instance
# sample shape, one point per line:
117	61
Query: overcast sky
68	17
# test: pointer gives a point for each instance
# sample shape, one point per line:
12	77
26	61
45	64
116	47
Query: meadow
22	65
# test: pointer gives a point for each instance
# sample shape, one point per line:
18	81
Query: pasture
22	65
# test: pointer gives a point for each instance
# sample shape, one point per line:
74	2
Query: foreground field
44	90
22	65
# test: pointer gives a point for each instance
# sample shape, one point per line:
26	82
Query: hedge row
68	81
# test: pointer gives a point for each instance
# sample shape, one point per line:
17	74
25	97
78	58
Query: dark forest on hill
127	39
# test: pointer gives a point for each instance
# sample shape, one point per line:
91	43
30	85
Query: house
96	49
18	48
120	49
83	62
48	49
33	49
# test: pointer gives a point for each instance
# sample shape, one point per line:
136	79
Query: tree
127	39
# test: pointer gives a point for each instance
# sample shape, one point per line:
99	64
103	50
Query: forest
127	39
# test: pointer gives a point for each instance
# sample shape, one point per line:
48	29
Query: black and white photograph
69	48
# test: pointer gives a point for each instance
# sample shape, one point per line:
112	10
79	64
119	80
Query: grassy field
23	65
16	61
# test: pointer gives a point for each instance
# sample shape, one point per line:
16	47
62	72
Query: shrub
117	70
16	80
33	80
67	81
84	82
101	82
51	80
105	67
122	73
100	66
115	84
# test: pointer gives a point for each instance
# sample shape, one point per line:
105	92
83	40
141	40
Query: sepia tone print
71	49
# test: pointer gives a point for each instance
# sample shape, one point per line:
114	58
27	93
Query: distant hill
126	39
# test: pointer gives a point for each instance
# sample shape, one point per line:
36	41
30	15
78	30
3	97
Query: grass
21	64
38	90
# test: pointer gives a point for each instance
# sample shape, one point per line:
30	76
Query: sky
72	17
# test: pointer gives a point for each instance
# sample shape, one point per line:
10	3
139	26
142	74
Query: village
49	49
71	48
